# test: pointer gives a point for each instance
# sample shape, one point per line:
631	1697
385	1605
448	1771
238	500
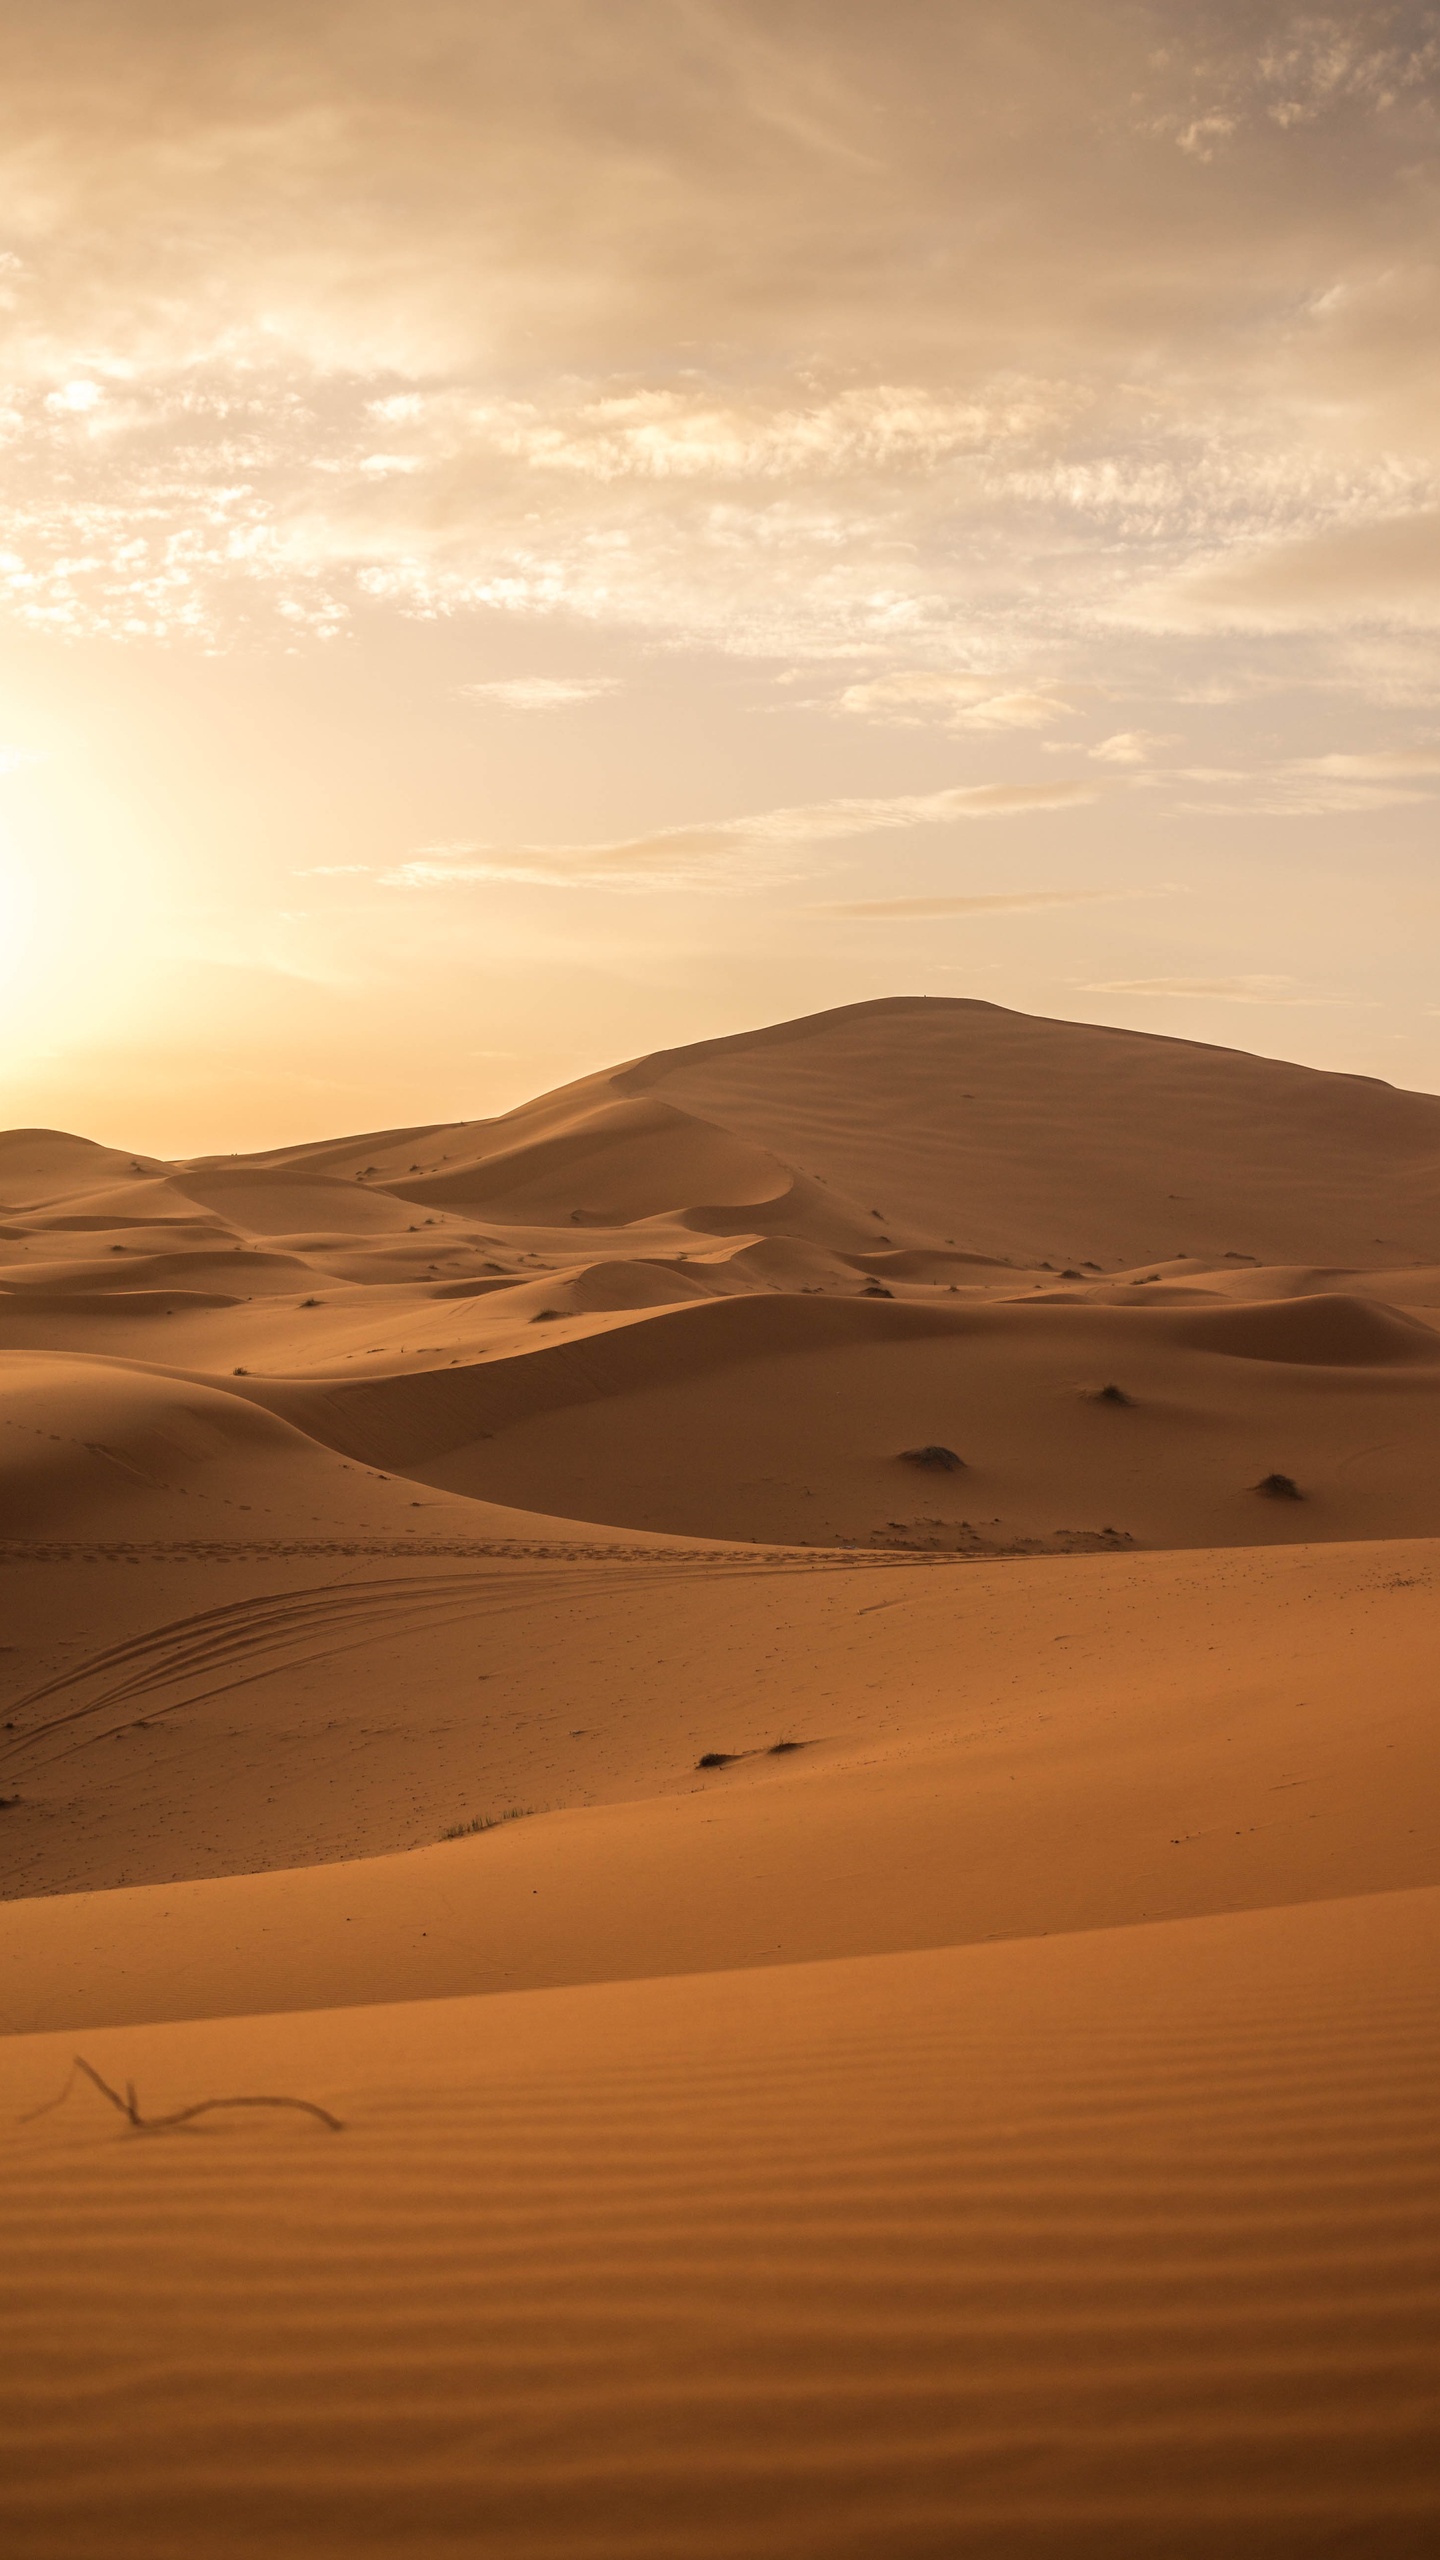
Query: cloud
1386	570
907	700
1253	988
333	870
1132	746
540	693
1374	765
1303	68
1021	902
300	324
1321	786
772	839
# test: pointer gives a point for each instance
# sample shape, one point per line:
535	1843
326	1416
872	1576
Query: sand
923	2041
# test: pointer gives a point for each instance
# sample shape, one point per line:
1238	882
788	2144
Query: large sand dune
854	1493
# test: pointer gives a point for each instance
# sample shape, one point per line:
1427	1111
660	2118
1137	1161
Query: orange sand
710	2184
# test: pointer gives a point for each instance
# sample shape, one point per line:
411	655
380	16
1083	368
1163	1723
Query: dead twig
129	2105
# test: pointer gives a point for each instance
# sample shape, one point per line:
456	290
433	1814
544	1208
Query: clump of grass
1279	1488
488	1822
716	1759
1112	1395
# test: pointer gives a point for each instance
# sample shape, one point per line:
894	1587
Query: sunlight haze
532	534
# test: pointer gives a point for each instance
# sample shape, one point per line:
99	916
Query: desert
719	1280
859	1884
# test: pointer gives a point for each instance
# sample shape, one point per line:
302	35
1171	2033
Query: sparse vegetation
933	1454
1112	1395
727	1759
1279	1488
488	1822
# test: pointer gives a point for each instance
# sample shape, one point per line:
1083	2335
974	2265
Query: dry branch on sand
129	2105
727	1759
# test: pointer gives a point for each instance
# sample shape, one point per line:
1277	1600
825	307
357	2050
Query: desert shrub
488	1822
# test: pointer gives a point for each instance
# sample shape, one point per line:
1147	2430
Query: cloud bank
772	841
924	340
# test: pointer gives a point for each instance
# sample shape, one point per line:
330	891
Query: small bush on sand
488	1822
1279	1488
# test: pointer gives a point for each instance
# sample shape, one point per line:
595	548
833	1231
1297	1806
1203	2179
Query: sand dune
1003	1750
798	1511
385	1295
786	1417
1055	1139
1109	2244
94	1449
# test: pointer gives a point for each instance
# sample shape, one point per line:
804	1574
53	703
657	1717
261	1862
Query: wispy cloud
1374	567
1254	987
1132	746
1373	765
702	855
910	698
1018	902
540	693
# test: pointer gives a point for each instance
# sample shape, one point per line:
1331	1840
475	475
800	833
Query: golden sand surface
921	2039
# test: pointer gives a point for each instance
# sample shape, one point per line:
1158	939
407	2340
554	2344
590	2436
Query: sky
534	534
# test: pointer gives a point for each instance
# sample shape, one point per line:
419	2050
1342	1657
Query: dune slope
1082	2247
1038	1138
